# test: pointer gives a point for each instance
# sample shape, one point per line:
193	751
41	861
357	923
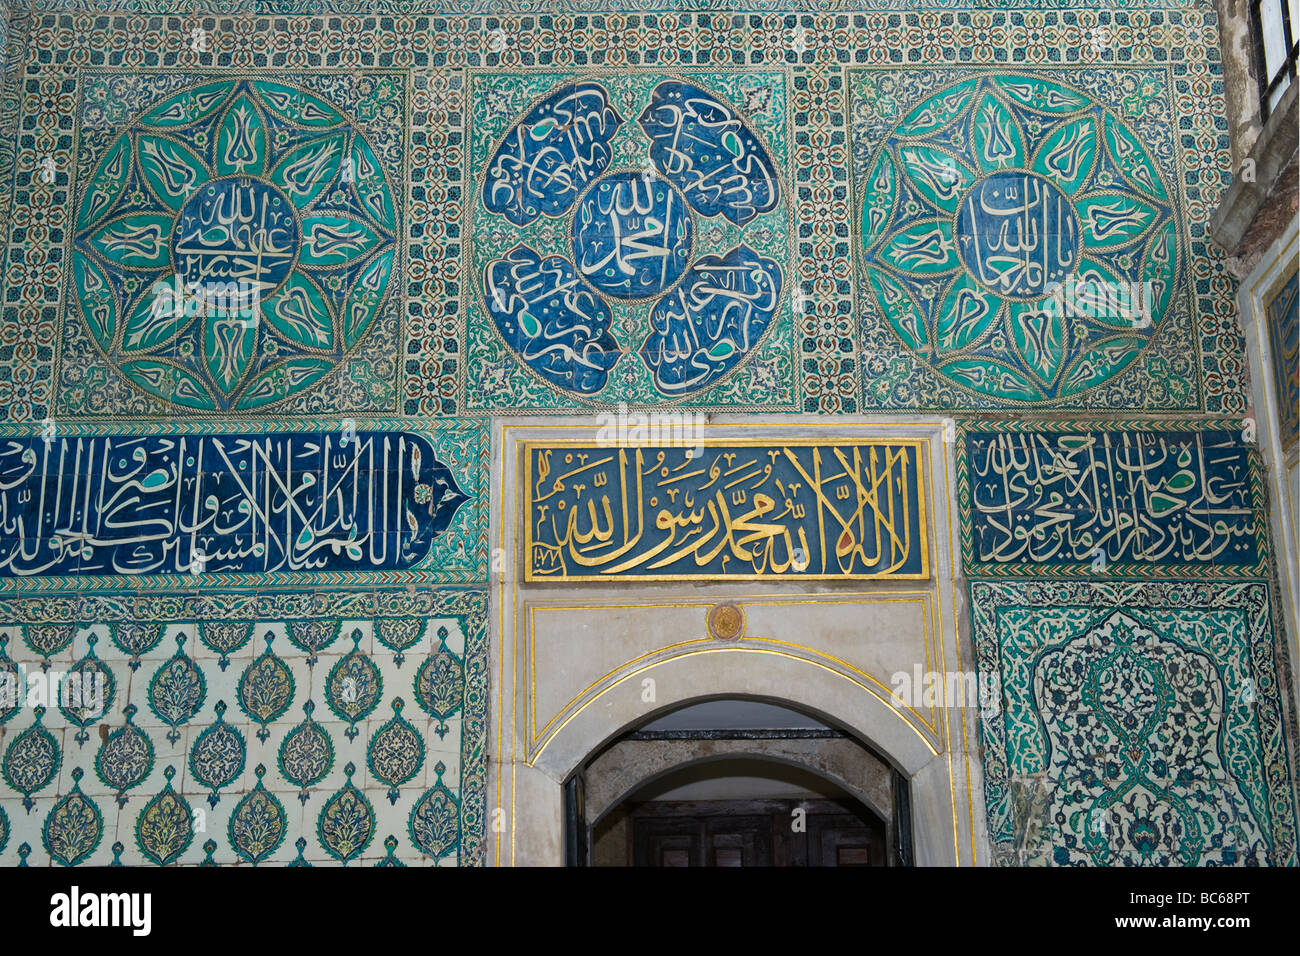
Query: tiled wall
1117	599
241	727
359	167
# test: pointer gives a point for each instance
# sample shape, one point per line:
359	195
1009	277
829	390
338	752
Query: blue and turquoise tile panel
1140	724
1097	499
1120	601
288	727
631	240
267	275
816	212
1023	236
233	241
100	506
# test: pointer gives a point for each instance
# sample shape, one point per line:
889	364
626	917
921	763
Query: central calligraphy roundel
236	230
1017	235
1019	238
631	238
234	245
632	235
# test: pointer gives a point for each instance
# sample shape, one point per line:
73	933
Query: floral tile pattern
1140	724
199	749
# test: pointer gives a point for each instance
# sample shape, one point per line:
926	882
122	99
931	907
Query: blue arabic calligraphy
240	503
1168	498
709	153
712	320
555	324
551	154
236	229
632	235
1018	234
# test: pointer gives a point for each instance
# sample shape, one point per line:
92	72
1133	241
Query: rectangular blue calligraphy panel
131	505
805	509
1101	500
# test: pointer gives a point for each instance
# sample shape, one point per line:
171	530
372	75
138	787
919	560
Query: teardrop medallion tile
32	760
314	637
396	752
135	638
225	637
434	824
399	634
74	826
259	823
354	687
217	756
177	690
48	639
306	754
86	692
165	828
346	824
440	684
126	758
266	689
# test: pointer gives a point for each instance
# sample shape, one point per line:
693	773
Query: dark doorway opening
737	783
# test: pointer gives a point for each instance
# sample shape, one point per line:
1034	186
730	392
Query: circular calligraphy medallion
1017	234
237	234
234	246
632	235
1021	242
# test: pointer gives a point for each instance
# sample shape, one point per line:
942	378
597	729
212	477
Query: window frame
1287	71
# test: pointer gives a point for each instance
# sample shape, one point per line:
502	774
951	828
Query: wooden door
748	833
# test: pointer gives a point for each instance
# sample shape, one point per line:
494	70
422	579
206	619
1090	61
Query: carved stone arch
830	759
742	671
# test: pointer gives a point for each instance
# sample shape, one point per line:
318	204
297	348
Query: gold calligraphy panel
811	509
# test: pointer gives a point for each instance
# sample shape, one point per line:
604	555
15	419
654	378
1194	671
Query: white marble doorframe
570	661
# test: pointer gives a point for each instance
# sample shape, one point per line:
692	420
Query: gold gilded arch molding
578	659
